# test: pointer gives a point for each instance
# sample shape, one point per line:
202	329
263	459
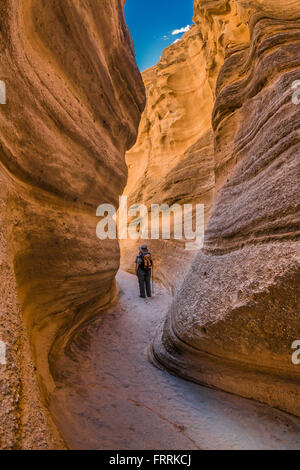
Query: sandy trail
110	397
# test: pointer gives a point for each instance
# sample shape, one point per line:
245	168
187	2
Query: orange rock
172	161
236	315
74	101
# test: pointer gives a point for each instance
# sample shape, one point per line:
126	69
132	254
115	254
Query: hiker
143	269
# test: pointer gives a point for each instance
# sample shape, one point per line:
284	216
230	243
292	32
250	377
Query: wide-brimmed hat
143	248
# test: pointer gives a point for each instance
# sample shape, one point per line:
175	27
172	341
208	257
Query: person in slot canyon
143	269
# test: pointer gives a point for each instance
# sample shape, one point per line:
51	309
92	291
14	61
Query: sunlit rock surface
173	159
236	315
74	101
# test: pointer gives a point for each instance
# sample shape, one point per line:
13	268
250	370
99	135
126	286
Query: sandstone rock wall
236	315
172	161
74	101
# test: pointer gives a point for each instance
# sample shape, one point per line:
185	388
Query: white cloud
176	40
181	30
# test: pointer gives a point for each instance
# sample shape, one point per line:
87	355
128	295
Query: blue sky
152	22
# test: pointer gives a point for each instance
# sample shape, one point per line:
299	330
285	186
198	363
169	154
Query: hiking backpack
146	263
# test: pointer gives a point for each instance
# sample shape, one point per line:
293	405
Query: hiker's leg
148	283
141	279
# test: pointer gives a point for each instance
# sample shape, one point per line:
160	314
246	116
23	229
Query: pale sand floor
110	397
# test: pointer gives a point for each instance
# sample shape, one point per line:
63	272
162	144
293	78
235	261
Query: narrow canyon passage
109	396
213	124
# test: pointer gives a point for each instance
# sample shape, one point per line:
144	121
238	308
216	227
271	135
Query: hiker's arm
136	268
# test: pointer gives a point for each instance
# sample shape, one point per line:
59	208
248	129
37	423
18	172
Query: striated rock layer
74	101
236	315
173	159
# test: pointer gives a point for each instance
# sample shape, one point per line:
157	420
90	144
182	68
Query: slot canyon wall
74	102
236	313
173	159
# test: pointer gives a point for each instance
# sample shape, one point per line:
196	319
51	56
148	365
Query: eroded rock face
74	101
173	159
236	315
